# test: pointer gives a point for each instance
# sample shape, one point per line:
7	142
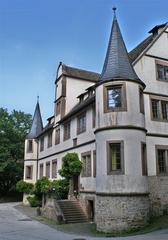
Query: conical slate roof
37	124
117	64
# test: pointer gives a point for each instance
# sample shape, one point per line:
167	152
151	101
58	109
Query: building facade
117	122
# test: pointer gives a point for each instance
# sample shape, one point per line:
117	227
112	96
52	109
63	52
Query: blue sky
35	35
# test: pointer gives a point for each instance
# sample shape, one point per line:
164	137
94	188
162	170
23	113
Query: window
86	168
67	130
54	169
48	169
141	100
57	136
94	163
162	160
41	170
29	172
30	146
50	139
159	109
162	72
74	142
81	123
41	144
93	116
144	159
58	108
115	98
115	158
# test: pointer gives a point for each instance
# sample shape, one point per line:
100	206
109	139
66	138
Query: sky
35	35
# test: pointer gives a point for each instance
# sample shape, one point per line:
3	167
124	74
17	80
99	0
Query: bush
42	186
24	187
71	166
59	188
34	201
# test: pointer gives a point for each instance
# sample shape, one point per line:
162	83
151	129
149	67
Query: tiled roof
78	107
134	53
37	124
117	64
79	73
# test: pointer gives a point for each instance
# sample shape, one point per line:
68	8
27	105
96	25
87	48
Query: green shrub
59	188
42	186
34	201
71	166
24	187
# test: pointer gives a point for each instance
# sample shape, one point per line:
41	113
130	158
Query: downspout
37	160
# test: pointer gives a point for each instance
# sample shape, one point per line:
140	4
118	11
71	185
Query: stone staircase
72	211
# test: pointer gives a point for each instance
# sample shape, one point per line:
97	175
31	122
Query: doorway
91	210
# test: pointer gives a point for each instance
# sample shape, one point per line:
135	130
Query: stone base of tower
120	213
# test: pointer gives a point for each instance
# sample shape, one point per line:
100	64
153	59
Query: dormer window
162	71
115	98
30	146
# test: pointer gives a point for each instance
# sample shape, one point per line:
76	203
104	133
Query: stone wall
51	210
119	213
84	198
158	188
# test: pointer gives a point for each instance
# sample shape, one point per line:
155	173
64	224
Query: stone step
72	211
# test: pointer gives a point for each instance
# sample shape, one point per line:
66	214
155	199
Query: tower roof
117	64
37	124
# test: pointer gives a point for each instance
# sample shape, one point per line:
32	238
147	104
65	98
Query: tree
71	166
13	129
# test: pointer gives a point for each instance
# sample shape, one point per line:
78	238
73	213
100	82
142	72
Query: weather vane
114	10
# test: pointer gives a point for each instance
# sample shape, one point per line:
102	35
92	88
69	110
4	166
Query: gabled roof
37	124
134	53
79	107
79	73
117	64
143	47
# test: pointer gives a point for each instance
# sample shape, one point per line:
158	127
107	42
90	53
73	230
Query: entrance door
91	210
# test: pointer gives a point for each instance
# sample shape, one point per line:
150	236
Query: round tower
31	150
121	182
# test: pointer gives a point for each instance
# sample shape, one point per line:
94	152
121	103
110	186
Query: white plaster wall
151	152
74	88
132	180
153	126
31	155
81	138
160	48
87	182
130	117
34	164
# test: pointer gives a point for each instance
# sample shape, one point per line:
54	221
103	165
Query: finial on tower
37	98
114	11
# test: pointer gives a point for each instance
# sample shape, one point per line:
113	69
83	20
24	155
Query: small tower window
30	146
141	100
115	98
115	158
29	172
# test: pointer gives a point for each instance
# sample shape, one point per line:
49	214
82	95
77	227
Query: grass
89	229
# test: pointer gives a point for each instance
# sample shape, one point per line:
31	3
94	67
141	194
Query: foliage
60	188
13	129
24	187
42	186
71	166
34	201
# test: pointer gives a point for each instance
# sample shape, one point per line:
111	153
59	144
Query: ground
14	225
